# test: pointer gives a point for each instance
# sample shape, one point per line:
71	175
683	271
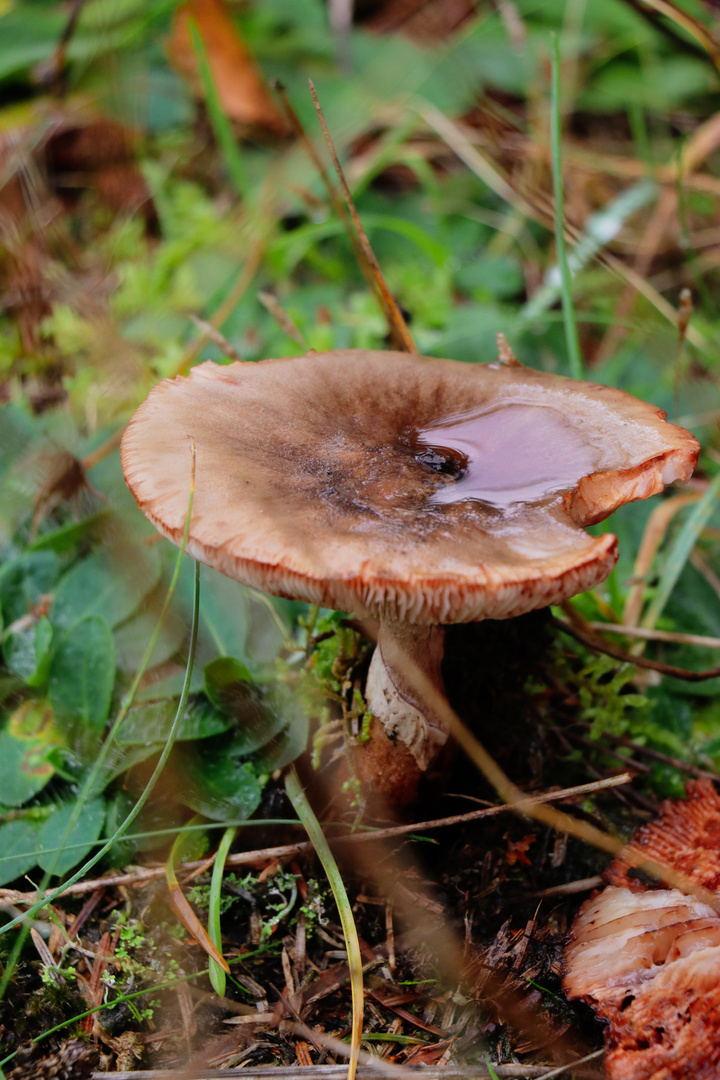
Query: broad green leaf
24	580
121	760
223	678
500	276
52	835
27	653
18	848
105	585
223	613
214	781
289	743
156	815
16	431
258	719
67	537
659	86
82	674
171	686
133	637
24	745
151	723
267	630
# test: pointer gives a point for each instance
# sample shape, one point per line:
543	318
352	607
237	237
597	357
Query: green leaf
24	580
224	613
498	275
82	674
27	653
258	719
18	847
223	679
131	639
170	686
105	585
67	538
214	781
24	746
236	622
52	834
291	742
16	431
151	723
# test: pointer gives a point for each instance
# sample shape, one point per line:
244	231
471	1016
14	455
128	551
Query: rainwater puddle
506	454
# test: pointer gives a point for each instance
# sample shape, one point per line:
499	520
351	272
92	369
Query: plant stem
305	812
571	334
217	975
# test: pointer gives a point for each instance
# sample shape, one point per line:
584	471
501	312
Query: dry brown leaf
241	88
181	906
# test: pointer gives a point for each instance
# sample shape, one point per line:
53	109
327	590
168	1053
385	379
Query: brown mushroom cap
317	479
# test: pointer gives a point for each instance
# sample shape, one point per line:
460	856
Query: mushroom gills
509	453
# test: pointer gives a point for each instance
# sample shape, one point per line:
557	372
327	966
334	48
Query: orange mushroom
416	491
648	960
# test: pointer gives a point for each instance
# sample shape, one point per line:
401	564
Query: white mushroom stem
392	692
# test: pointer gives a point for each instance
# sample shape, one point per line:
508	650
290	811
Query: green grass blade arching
217	975
571	333
305	812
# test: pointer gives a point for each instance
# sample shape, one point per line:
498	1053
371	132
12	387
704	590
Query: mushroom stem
392	695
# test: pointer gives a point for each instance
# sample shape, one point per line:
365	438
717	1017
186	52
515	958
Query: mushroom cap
354	479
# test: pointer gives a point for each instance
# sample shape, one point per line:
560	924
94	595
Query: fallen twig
244	858
374	1068
646	634
594	642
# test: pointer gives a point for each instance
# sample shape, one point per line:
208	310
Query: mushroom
648	960
419	492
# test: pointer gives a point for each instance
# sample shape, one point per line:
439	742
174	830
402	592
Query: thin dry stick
367	266
111	444
228	305
213	334
243	858
597	643
383	1067
536	206
336	202
647	634
373	1067
426	691
281	317
568	889
398	322
693	27
657	755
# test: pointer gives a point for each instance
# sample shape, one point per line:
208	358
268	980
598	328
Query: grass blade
305	812
571	334
222	128
217	972
680	552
